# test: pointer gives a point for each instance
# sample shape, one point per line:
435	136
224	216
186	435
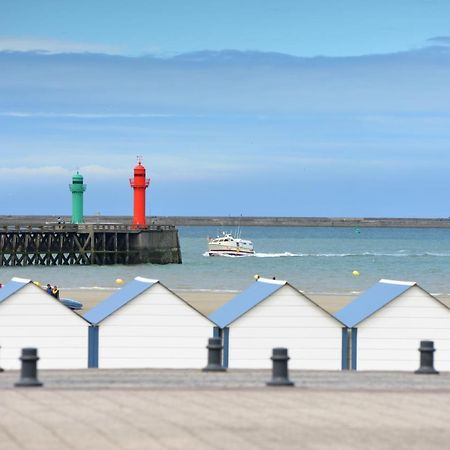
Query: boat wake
258	255
400	254
276	255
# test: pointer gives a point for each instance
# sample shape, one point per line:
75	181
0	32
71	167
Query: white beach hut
147	325
387	323
272	313
29	317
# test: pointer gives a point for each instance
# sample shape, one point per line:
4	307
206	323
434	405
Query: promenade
188	409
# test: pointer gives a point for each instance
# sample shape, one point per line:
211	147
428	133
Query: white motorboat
228	245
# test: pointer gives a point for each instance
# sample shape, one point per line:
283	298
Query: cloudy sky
293	108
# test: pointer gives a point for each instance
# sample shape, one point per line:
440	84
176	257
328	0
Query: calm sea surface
319	260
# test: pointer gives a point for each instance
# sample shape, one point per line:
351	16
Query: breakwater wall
360	222
356	222
85	244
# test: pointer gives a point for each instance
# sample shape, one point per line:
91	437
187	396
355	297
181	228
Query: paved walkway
157	409
232	379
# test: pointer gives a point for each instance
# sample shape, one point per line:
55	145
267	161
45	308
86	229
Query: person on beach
55	292
49	289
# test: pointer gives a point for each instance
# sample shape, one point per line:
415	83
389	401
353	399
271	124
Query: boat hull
229	253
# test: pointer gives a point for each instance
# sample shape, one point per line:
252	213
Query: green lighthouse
77	188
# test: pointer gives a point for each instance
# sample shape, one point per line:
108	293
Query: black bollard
426	358
280	360
28	375
214	356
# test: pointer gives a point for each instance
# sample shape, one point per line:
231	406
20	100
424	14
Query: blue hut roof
12	287
372	300
110	305
245	301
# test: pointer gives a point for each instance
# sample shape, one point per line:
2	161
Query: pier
84	244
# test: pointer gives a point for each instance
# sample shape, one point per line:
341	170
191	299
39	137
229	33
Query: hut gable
246	300
371	301
23	299
116	301
415	306
286	307
156	306
12	287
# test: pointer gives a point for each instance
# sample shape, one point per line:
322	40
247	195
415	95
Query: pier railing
83	227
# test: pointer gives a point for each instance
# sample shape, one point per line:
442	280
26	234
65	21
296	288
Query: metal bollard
280	360
214	355
28	375
426	350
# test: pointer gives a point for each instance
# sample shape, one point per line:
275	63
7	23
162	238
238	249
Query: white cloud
41	172
101	171
55	46
45	171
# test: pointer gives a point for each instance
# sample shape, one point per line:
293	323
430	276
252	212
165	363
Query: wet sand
205	302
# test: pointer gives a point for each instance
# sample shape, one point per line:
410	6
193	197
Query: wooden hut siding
389	339
156	329
32	318
286	319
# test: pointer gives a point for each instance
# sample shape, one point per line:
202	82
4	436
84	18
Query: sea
315	260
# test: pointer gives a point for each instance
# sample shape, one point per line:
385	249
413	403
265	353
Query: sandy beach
205	302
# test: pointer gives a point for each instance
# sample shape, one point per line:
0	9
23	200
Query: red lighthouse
139	184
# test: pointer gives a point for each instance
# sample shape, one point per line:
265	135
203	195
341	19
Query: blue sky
305	108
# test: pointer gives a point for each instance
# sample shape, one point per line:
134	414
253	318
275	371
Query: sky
259	108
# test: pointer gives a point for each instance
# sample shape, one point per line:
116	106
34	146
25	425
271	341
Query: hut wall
286	319
389	339
156	329
32	318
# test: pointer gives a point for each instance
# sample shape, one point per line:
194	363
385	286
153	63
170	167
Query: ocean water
315	260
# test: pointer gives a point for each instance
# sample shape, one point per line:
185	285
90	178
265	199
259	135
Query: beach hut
147	325
29	317
272	313
387	322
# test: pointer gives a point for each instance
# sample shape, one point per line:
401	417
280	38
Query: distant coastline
355	222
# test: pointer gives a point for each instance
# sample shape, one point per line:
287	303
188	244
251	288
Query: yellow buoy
355	273
119	281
